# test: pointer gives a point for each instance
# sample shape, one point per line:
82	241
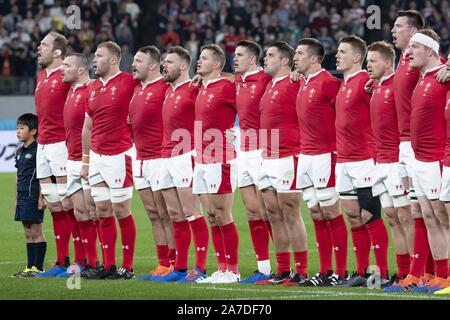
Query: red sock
201	241
128	233
163	255
339	238
380	242
429	266
61	229
230	240
80	254
361	246
99	235
283	262
421	248
301	262
89	240
218	247
324	245
108	230
260	239
182	239
403	264
269	228
441	268
172	256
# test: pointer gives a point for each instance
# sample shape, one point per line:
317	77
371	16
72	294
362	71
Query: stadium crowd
194	23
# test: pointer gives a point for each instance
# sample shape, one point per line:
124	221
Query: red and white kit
178	114
74	115
383	114
147	127
428	133
215	111
316	116
50	96
280	139
250	87
405	80
110	159
354	141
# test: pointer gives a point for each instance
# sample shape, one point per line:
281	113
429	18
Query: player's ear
57	53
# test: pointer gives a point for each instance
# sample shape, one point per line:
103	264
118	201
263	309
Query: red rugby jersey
74	114
278	113
354	140
447	121
215	112
178	115
428	127
383	116
316	113
108	107
405	81
249	89
50	96
146	118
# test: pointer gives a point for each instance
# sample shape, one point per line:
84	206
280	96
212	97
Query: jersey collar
312	75
250	73
49	72
175	87
431	70
208	82
275	80
77	86
146	83
105	82
349	76
382	79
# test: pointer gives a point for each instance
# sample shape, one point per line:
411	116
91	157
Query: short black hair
415	19
285	49
315	47
30	120
153	52
252	47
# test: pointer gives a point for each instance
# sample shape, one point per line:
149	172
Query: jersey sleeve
293	92
331	89
229	91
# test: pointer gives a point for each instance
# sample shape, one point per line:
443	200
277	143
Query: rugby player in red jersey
50	95
251	84
177	167
107	158
317	160
279	139
355	161
75	71
428	138
388	184
215	172
145	117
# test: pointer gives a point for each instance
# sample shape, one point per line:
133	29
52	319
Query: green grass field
13	259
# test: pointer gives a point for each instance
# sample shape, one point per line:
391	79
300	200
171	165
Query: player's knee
310	198
327	197
390	215
50	192
401	201
369	204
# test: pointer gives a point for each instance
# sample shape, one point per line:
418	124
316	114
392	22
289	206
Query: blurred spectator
127	59
170	36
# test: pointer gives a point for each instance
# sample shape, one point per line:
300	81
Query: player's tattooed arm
86	142
443	75
369	86
229	76
295	76
197	80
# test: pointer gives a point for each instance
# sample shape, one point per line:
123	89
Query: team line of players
358	144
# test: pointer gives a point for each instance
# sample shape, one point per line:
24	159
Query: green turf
13	259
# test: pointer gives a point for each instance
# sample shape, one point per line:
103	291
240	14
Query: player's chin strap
426	41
